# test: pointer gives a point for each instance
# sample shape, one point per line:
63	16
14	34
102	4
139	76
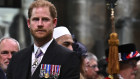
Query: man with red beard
44	59
128	57
8	46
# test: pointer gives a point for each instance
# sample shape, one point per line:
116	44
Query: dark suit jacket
20	64
2	75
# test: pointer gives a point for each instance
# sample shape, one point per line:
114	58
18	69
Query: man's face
7	48
128	69
91	69
66	41
41	23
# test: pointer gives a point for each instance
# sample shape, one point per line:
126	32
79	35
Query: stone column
87	20
124	15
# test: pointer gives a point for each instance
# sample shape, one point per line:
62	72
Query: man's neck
41	42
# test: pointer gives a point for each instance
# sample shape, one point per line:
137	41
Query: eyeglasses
93	66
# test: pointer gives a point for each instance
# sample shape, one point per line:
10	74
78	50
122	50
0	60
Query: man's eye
13	52
35	19
45	19
66	44
4	52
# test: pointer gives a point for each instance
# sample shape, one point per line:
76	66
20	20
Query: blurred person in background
2	74
89	67
102	64
8	46
63	37
138	72
79	47
128	57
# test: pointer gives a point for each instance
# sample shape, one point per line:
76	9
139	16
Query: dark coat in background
2	75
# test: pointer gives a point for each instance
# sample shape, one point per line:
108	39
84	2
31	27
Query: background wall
88	20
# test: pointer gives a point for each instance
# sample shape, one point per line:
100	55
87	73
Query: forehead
65	38
90	62
40	11
131	60
8	44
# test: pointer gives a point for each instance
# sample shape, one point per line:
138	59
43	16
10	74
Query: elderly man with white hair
8	46
63	37
89	66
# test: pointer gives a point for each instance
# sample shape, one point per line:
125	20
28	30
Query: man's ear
28	22
54	22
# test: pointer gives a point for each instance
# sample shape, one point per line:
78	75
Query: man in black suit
52	61
2	75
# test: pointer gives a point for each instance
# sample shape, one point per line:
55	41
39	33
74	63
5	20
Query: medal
46	75
35	63
50	71
56	76
42	70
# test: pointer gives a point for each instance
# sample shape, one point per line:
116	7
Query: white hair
90	56
10	39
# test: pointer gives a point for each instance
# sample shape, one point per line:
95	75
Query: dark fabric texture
20	65
2	75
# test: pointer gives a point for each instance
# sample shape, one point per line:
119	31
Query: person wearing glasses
90	66
128	57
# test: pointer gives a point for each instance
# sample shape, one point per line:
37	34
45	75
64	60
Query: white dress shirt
43	49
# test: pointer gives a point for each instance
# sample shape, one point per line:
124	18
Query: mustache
40	29
134	72
7	61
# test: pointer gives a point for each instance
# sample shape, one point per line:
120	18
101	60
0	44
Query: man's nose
96	69
70	47
40	22
9	55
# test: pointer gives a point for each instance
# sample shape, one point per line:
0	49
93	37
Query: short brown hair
42	3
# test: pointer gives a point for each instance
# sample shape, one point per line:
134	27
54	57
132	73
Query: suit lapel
50	54
47	59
